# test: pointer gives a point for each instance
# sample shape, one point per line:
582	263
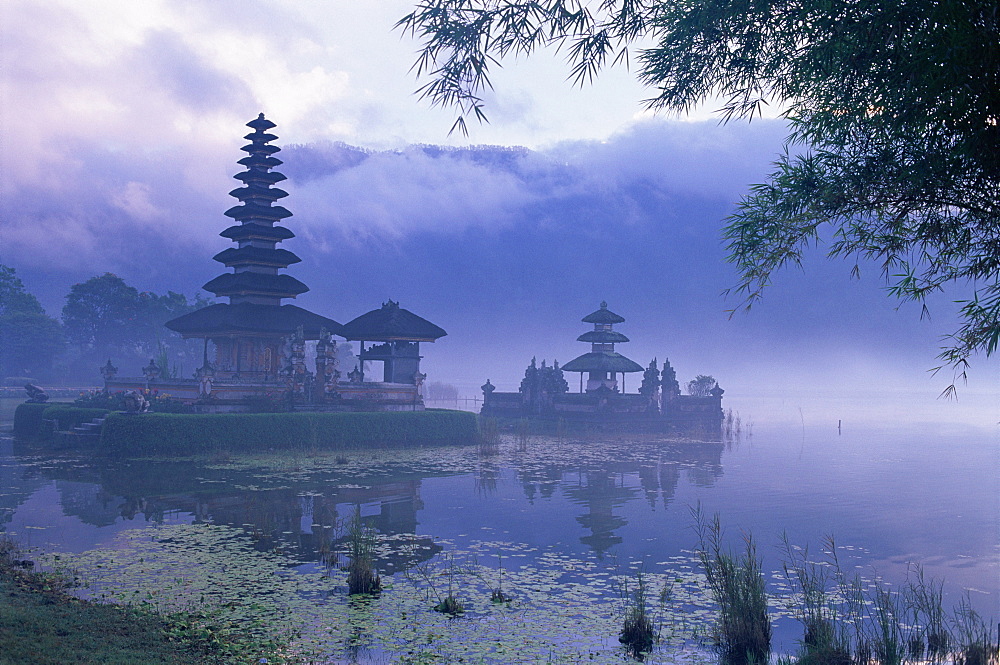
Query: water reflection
90	503
600	493
304	521
604	490
16	484
591	505
302	512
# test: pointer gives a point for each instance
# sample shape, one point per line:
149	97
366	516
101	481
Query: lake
565	525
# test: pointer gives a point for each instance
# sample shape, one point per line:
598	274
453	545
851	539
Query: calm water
567	521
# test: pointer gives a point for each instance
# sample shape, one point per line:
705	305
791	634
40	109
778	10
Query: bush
28	419
638	633
163	433
362	578
165	404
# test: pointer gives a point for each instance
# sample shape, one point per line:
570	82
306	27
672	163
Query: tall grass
975	642
361	575
926	600
825	639
847	620
523	431
489	435
638	633
447	603
734	427
737	586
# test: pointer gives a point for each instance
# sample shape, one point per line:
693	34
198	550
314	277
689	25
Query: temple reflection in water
305	517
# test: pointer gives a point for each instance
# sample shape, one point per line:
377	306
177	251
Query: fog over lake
563	517
123	128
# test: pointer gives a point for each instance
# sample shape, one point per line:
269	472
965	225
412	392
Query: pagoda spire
603	363
255	260
603	337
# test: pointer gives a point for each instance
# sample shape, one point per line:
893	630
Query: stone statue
136	402
286	353
487	389
327	373
206	378
298	355
35	394
295	374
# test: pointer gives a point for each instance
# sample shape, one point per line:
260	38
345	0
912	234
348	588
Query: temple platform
245	395
677	412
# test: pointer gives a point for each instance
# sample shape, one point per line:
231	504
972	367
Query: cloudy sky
122	123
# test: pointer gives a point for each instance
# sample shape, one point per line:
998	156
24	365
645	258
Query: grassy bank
168	433
176	433
41	624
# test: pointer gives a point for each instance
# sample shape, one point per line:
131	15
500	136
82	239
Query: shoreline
42	623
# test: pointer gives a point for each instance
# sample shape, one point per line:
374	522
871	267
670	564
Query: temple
656	406
399	333
259	345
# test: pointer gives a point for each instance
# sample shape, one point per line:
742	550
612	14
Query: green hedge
28	419
169	433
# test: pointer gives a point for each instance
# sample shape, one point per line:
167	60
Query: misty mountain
505	248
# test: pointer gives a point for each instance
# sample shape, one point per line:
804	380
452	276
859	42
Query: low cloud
503	247
390	195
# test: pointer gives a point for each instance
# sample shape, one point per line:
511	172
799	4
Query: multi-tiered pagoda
249	330
603	364
260	345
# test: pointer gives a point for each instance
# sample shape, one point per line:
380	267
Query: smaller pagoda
397	334
603	364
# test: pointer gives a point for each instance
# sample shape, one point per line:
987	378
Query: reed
450	604
497	594
926	601
489	436
362	578
737	586
848	620
825	638
975	641
523	431
488	443
638	633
